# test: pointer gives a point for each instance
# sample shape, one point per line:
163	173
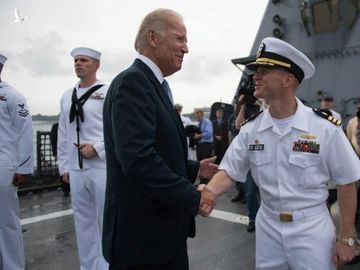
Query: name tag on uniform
256	147
97	96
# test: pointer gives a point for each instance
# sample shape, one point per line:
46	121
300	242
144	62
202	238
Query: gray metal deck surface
51	245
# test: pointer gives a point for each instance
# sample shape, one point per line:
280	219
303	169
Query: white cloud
38	49
44	55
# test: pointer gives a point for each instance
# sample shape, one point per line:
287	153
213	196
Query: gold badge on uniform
257	146
308	137
260	50
306	146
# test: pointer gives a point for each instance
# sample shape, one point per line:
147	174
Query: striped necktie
167	89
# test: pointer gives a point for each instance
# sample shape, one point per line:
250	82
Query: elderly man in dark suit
150	197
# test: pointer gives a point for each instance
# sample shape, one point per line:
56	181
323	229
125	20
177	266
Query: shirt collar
96	83
154	68
300	120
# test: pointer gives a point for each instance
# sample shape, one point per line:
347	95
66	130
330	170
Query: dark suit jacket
222	131
150	200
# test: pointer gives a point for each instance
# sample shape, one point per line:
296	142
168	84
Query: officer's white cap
86	52
2	59
274	52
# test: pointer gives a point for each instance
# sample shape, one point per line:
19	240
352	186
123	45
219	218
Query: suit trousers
181	262
203	150
87	199
11	240
304	244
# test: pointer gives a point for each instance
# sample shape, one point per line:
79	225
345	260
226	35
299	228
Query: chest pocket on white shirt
260	163
305	169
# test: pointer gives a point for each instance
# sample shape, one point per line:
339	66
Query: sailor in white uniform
16	164
81	155
292	152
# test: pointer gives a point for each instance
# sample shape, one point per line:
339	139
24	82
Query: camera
247	88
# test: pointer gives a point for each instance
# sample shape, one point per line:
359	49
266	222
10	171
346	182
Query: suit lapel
164	99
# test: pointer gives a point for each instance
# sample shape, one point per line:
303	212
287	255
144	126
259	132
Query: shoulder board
252	117
330	118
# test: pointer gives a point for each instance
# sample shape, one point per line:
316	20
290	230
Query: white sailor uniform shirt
91	130
293	168
16	131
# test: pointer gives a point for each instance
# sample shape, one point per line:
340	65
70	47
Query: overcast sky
41	67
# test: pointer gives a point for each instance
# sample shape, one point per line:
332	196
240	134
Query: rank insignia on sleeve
306	146
22	112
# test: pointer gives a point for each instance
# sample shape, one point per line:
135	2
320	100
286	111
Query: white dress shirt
289	175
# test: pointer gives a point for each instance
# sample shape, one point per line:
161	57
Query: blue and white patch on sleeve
23	112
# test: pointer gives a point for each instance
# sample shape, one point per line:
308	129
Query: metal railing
46	173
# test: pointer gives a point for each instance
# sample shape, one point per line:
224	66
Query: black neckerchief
76	111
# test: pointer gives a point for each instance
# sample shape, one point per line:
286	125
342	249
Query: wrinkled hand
342	254
207	202
66	178
218	138
208	168
20	179
87	150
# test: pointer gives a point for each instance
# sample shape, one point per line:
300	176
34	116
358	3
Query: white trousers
11	241
87	199
304	244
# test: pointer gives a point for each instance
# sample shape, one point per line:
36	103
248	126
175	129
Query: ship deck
222	241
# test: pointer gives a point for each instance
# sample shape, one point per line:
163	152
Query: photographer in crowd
247	106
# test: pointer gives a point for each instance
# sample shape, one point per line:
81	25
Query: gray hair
156	20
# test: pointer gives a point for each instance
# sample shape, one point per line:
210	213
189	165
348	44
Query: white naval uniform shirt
290	180
16	131
91	130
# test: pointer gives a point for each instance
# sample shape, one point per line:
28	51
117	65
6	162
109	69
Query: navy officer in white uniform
292	152
81	155
16	164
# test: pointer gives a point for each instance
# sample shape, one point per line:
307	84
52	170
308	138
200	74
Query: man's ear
289	79
151	37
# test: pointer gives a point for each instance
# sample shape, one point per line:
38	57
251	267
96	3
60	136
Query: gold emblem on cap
260	50
308	137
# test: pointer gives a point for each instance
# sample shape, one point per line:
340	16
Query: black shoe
238	198
251	226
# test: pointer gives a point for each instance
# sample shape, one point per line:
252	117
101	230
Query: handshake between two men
220	182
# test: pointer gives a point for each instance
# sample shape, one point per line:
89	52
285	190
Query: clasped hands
207	202
207	170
